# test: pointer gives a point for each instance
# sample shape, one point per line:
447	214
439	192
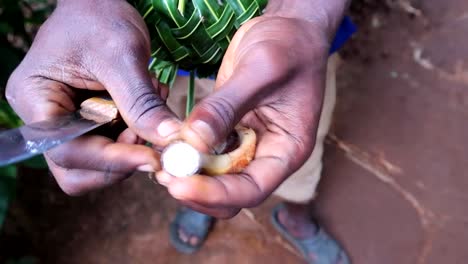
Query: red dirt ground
394	182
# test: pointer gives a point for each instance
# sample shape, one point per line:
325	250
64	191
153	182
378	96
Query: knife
33	139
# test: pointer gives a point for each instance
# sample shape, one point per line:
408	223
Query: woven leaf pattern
193	35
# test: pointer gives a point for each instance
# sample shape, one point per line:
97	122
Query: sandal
323	248
194	224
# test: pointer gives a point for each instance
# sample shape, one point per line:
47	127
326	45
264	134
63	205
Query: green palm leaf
193	35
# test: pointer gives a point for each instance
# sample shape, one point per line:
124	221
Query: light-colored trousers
301	186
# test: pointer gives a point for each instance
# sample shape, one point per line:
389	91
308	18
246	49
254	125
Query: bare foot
297	221
187	237
314	243
189	230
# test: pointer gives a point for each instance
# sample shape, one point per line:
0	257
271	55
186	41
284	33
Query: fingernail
163	178
168	128
163	183
145	168
204	131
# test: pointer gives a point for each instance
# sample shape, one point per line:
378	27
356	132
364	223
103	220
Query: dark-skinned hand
272	79
94	46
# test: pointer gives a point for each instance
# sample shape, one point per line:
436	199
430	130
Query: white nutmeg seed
180	159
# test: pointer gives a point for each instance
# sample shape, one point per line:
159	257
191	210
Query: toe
194	241
183	236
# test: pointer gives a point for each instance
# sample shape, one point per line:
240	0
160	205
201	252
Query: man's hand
272	79
93	45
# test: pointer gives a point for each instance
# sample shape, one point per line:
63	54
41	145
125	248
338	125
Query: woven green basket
193	35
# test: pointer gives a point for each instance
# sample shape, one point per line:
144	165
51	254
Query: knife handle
99	109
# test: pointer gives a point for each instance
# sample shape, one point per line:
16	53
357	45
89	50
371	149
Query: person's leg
189	229
293	218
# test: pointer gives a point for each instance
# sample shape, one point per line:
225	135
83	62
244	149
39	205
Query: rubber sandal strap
193	223
325	250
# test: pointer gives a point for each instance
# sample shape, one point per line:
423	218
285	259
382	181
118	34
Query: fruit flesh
180	159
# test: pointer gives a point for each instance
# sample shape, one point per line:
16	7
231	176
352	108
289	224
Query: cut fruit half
180	159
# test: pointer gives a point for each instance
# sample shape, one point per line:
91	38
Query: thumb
214	118
140	104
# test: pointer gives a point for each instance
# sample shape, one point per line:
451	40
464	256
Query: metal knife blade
33	139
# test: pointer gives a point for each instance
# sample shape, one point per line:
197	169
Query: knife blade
36	138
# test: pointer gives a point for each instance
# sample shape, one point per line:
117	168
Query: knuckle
222	110
144	103
275	61
136	44
133	46
130	44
